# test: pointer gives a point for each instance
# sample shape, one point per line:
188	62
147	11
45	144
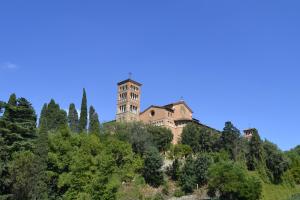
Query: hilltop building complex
174	116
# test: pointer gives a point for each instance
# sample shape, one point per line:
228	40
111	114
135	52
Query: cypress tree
175	170
94	124
40	167
73	118
83	113
43	116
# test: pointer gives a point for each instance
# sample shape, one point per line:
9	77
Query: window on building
122	108
152	113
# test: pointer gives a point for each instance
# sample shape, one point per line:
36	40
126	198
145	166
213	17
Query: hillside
65	156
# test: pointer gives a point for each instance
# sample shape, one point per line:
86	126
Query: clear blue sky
230	60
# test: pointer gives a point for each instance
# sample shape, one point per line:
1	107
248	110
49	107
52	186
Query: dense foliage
88	167
231	182
52	117
71	158
199	139
94	124
152	169
17	135
73	118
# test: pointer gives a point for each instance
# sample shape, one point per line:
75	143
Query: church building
174	116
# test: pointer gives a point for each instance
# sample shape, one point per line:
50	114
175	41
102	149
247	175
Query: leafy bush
276	162
179	193
80	164
232	182
198	138
188	179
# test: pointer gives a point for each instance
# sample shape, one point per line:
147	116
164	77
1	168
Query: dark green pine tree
94	124
152	167
40	190
73	118
43	117
18	131
188	178
83	113
22	124
190	136
175	170
3	154
12	102
229	140
52	117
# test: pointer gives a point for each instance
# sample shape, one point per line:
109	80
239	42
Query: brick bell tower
128	105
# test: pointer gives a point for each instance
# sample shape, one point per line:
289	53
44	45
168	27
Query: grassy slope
279	192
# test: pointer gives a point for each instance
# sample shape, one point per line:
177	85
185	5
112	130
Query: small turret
248	133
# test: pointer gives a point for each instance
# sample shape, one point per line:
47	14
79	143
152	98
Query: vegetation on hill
70	157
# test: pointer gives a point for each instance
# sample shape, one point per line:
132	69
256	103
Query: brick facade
174	116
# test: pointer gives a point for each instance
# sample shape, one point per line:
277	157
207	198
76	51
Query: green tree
43	117
94	124
88	168
175	170
21	170
83	113
12	102
294	156
255	153
152	167
229	140
190	136
182	150
18	127
231	182
40	190
161	137
188	180
202	163
136	134
73	118
17	133
200	139
52	118
207	140
276	162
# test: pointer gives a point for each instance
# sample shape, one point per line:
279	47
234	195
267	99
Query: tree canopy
66	159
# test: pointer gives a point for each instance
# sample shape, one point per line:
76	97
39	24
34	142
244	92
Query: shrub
179	193
232	182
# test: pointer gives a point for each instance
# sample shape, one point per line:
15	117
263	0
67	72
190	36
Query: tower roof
131	81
